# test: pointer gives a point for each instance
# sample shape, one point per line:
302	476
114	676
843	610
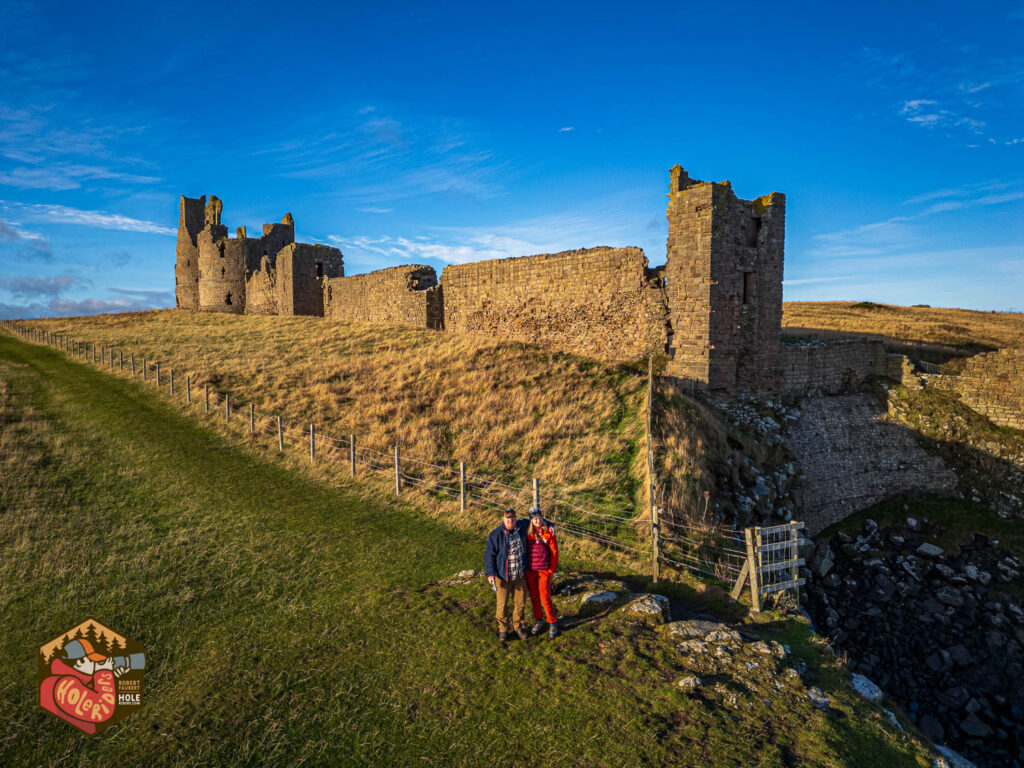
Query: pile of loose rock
942	635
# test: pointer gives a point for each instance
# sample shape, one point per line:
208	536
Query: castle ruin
266	275
714	310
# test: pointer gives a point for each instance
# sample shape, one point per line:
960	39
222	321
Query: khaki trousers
518	590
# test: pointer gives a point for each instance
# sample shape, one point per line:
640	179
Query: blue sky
447	132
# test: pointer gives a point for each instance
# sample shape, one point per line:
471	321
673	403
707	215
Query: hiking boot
522	635
502	636
537	628
553	630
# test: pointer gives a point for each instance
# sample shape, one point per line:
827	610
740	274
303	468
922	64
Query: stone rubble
939	633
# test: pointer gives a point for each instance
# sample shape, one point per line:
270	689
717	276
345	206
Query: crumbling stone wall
851	458
406	295
261	290
191	220
603	302
723	281
831	367
993	385
301	270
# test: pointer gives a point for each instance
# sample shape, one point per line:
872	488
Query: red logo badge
91	676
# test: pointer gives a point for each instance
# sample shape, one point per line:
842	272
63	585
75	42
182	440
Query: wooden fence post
462	486
158	375
794	571
280	435
352	454
398	470
752	574
133	366
536	493
227	408
252	419
312	443
121	364
206	387
172	381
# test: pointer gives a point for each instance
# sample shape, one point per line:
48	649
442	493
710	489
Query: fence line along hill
514	411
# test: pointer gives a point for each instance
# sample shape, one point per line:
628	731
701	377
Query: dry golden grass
945	332
508	410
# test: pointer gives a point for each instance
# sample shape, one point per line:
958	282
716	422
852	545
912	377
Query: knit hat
509	512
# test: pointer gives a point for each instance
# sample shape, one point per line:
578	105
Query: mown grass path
286	622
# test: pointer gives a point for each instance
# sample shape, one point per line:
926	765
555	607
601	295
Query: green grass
290	622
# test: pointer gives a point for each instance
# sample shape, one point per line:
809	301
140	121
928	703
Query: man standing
505	565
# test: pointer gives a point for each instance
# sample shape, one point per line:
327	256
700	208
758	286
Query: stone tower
191	213
723	281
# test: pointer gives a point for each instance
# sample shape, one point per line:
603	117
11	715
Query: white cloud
62	214
567	129
65	177
371	209
604	224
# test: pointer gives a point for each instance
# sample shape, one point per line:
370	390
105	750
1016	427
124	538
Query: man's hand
491	580
107	664
120	671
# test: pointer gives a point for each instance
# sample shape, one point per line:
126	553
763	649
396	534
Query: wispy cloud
28	286
62	214
963	94
567	129
63	177
371	209
61	157
927	113
418	156
567	230
155	298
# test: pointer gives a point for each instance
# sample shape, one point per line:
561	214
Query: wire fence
708	552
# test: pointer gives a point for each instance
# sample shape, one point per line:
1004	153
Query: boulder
599	597
706	631
929	550
972	725
866	688
823	560
649	607
819	699
689	682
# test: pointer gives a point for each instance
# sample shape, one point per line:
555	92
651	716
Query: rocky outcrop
941	634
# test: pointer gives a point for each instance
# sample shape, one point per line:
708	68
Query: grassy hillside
287	621
939	333
510	411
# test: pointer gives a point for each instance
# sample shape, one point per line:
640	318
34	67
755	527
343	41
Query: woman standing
541	562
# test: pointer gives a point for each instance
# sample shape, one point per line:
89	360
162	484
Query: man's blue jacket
496	554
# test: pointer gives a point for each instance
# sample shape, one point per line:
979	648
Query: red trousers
539	584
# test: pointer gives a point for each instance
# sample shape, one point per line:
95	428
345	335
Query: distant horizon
442	135
784	302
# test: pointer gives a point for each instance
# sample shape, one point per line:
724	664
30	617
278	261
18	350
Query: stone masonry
993	384
216	273
407	295
852	458
723	280
834	366
601	302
